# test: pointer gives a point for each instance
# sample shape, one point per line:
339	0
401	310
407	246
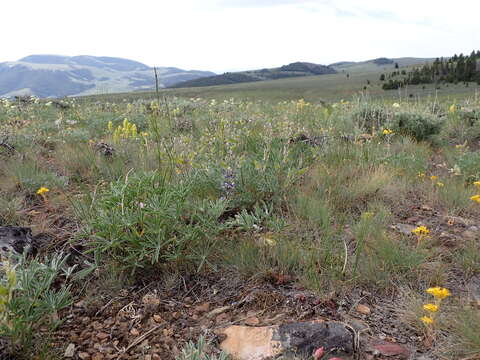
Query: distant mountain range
58	76
296	69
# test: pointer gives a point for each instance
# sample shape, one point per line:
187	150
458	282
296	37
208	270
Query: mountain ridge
48	75
296	69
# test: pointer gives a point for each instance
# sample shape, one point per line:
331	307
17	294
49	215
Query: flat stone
200	309
103	336
390	349
299	339
470	235
404	228
69	351
363	309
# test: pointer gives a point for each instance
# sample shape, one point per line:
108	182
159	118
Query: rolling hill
297	69
58	76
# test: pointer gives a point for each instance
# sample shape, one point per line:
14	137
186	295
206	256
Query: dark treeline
459	68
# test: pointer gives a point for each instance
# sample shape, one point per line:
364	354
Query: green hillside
354	81
298	69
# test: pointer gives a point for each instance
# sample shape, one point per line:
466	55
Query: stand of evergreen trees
459	68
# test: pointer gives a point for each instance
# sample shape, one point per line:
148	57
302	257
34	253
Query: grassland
148	210
362	81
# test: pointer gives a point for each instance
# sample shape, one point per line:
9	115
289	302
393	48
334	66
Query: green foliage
30	176
379	258
268	175
450	70
469	164
468	257
417	125
143	220
466	327
369	116
197	351
10	206
29	300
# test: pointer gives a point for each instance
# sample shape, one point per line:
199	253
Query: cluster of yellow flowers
387	132
127	130
421	233
42	191
476	198
439	294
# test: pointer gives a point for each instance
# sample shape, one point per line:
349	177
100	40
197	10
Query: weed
29	300
193	351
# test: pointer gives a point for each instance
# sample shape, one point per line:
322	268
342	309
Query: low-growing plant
371	116
469	165
197	351
144	220
30	300
420	126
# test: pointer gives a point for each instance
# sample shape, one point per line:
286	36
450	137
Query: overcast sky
225	35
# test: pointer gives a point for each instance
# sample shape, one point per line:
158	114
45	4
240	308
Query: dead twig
139	339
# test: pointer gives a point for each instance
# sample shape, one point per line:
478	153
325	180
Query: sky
232	35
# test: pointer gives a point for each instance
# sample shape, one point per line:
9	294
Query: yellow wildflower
42	190
452	108
421	175
426	320
476	198
431	307
387	132
433	177
440	184
439	292
421	231
477	184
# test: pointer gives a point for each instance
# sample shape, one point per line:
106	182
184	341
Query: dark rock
309	140
15	239
305	337
105	149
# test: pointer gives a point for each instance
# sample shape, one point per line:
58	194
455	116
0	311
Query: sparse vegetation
325	195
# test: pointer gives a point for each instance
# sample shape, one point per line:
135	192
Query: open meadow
157	221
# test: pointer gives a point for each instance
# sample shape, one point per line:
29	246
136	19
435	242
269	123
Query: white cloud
238	34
